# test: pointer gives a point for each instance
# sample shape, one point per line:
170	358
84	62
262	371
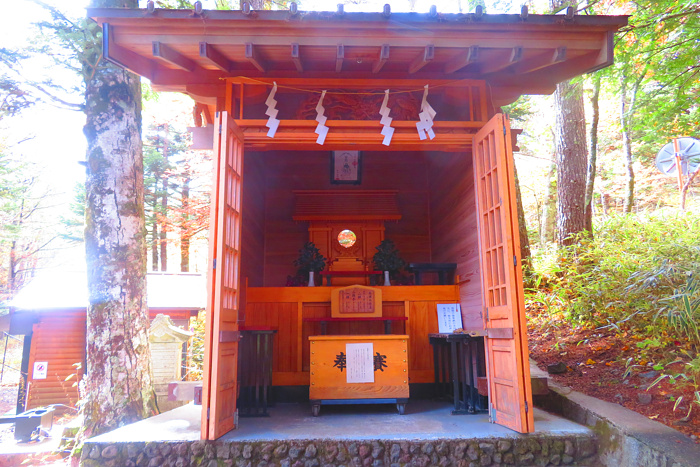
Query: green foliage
520	110
195	351
659	47
682	309
13	98
74	223
310	259
636	270
387	257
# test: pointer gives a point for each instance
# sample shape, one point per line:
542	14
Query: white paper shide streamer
272	123
321	128
427	114
387	131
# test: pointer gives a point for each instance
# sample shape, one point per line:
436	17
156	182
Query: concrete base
626	438
422	420
346	435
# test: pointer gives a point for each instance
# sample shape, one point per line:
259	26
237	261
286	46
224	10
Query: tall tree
118	381
571	157
593	155
569	152
168	174
628	99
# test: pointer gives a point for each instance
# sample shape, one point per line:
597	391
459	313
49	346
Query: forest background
629	277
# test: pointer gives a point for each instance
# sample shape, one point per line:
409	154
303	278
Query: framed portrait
346	167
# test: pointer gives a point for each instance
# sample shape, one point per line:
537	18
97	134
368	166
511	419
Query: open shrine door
508	371
220	380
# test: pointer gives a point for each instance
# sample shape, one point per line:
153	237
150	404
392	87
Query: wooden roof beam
124	57
339	57
516	54
296	58
466	58
540	61
209	53
251	53
423	59
383	58
171	56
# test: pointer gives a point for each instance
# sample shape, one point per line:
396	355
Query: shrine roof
179	50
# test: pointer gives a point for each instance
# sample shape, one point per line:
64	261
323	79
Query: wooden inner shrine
449	199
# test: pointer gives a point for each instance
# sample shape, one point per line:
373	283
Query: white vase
387	281
311	279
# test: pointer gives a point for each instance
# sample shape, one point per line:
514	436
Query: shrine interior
435	199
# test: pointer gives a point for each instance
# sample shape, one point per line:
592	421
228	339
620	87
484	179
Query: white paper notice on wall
449	317
359	363
40	370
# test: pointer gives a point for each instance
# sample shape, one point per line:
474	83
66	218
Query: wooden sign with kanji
356	301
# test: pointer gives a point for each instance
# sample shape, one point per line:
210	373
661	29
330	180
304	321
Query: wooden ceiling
179	50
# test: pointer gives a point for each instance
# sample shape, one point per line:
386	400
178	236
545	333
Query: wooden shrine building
443	191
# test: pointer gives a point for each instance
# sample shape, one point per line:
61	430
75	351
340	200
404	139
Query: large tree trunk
571	157
118	385
592	159
522	225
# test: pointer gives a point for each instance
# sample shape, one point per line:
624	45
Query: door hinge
235	418
492	414
214	266
208	410
504	130
220	128
527	408
487	314
515	260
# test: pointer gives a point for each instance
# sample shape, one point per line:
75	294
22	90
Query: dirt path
614	368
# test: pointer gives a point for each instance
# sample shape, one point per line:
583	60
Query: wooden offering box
370	369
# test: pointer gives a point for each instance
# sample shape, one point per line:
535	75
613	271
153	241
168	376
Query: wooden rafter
209	53
124	57
463	59
515	55
423	59
251	53
173	57
296	57
540	61
383	57
339	57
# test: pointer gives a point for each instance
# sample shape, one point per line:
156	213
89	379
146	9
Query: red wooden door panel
510	390
220	385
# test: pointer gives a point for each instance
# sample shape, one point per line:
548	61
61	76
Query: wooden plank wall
286	308
59	339
454	233
253	229
288	170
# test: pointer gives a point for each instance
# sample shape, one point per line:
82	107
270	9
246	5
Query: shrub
634	271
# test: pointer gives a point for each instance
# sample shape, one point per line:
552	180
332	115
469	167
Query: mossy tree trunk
118	384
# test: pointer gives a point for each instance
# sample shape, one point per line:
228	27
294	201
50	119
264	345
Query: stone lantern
166	356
